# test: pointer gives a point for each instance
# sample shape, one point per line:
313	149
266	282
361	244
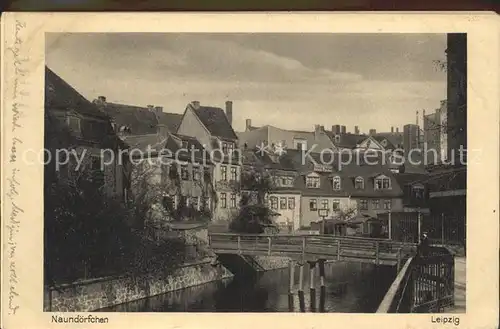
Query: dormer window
382	183
337	138
336	182
184	144
359	183
74	124
312	181
418	191
227	147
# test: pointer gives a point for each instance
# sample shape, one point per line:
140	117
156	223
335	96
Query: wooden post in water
292	283
322	292
292	276
390	225
301	288
312	290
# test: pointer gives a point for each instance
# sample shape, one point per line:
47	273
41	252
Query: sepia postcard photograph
217	168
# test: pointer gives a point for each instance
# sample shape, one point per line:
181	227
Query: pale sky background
292	81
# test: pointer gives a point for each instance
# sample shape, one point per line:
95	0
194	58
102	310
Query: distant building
74	122
456	54
411	137
211	126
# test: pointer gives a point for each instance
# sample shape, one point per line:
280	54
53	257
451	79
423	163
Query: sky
291	81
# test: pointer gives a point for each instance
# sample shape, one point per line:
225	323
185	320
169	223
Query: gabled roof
216	122
171	120
141	120
380	139
396	138
347	140
60	95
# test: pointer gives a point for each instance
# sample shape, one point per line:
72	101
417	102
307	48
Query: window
336	205
223	172
184	145
223	200
313	204
376	204
336	183
285	181
95	163
224	147
363	204
230	148
74	124
312	181
282	203
418	191
382	183
168	203
183	200
194	202
359	183
204	203
324	204
196	173
233	200
274	202
291	203
300	144
233	173
184	173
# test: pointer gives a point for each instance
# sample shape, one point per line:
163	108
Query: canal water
349	287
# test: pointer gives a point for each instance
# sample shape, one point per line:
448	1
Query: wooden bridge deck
312	247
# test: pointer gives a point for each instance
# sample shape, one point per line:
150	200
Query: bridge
306	248
423	284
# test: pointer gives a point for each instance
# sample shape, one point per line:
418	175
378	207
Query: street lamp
323	213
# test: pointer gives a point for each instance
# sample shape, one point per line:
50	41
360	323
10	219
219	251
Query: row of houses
305	178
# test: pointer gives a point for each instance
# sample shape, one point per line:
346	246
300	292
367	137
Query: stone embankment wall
95	294
268	263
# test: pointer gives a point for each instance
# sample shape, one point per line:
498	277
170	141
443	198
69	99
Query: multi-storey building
89	134
211	126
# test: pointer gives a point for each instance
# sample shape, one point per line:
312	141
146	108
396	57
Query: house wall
288	217
252	137
191	126
397	204
308	216
321	140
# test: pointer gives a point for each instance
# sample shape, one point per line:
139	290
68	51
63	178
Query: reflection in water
349	287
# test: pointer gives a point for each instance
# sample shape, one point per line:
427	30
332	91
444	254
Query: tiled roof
141	120
173	143
215	120
171	120
346	140
380	139
395	138
60	95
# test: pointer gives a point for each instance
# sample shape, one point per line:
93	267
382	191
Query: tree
254	215
87	231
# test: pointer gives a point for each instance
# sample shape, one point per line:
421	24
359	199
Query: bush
88	235
252	219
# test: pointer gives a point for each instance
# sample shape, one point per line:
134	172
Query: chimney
158	109
317	131
343	130
229	112
392	130
372	132
196	104
161	130
356	130
322	128
248	124
397	130
151	107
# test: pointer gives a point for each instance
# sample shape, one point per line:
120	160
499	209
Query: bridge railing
423	285
326	245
